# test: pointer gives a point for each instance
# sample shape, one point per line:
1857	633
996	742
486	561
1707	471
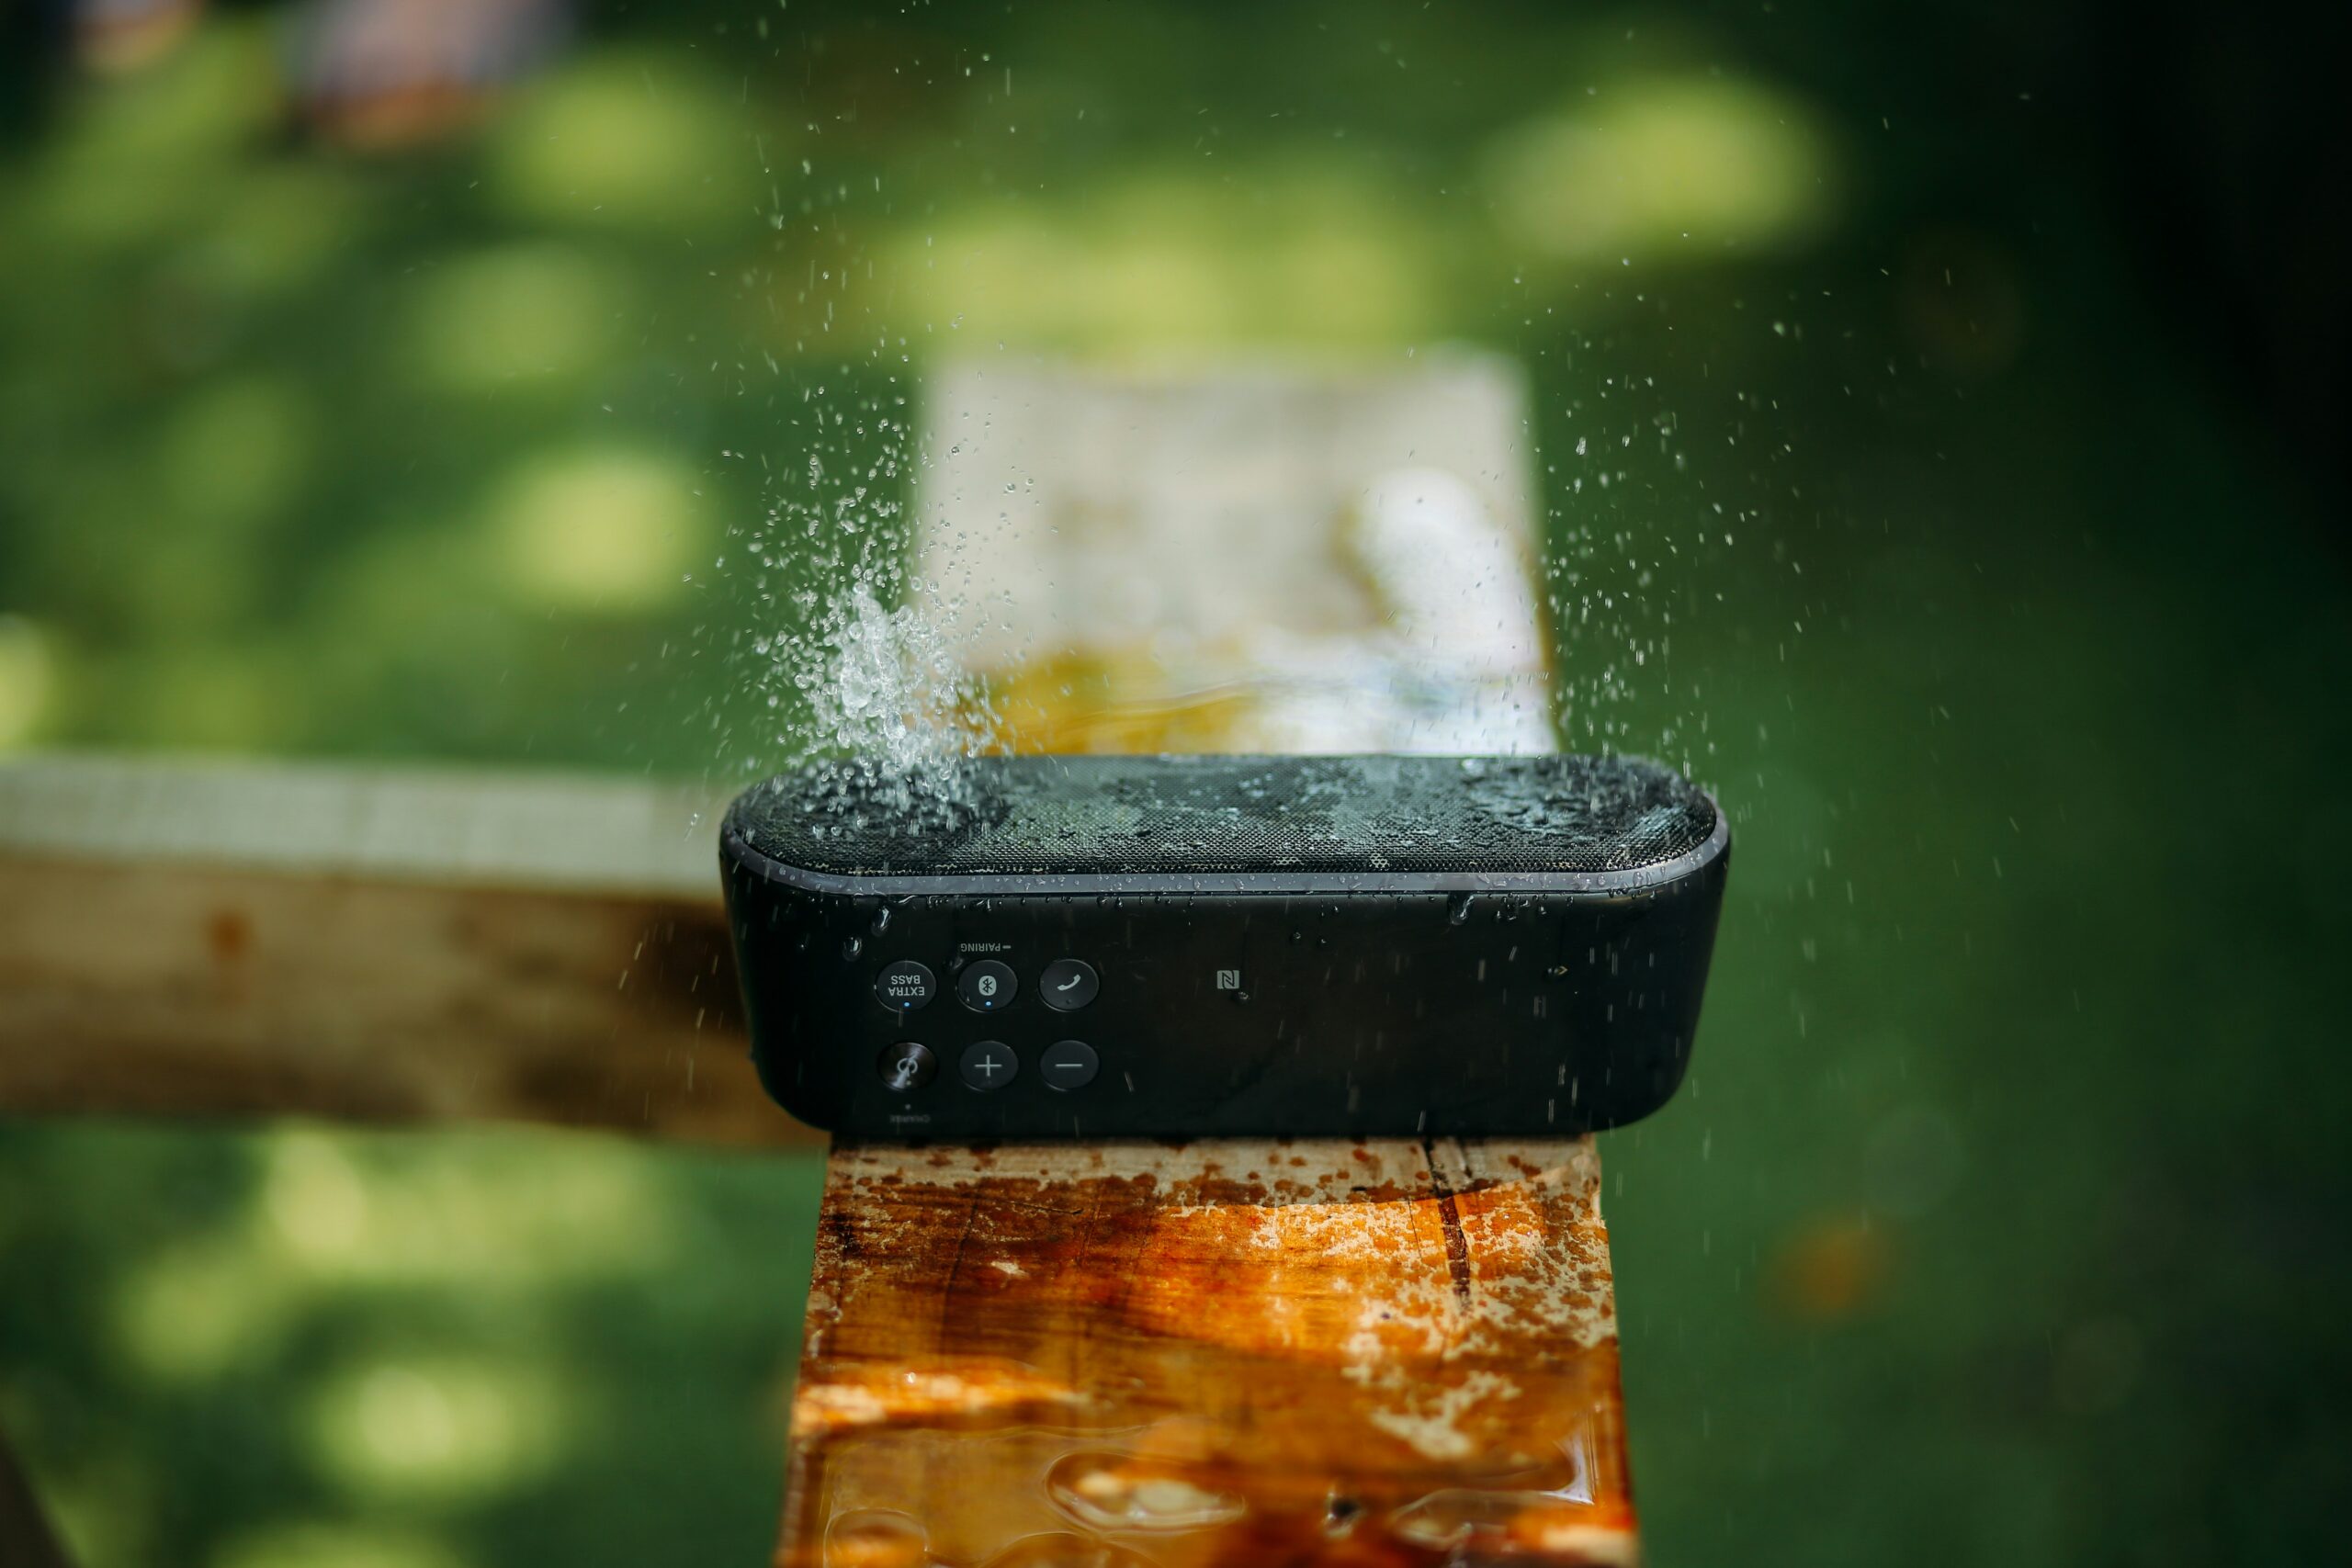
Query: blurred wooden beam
1256	557
1393	1352
201	938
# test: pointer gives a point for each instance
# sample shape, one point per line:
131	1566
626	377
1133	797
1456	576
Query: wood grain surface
190	939
1253	1353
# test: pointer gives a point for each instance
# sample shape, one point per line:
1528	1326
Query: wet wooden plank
197	939
1390	1352
1311	1353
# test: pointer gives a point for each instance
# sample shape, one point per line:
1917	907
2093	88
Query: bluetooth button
990	1065
1067	985
987	985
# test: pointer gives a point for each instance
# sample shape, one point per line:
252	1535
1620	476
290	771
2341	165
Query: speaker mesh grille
1175	814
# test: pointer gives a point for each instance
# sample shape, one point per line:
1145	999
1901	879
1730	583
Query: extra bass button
987	985
904	985
907	1067
1068	1064
1067	985
990	1065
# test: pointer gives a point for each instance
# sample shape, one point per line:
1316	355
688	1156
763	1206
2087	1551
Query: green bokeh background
2002	1220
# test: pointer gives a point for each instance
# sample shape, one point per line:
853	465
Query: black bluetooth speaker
1194	946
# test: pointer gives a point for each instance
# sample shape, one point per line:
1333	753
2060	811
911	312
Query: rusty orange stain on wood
1392	1353
228	935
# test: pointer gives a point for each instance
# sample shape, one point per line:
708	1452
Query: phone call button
1067	985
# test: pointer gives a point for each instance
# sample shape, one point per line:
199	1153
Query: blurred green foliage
2002	1218
302	1347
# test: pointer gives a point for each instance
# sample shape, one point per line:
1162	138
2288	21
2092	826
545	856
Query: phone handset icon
1067	985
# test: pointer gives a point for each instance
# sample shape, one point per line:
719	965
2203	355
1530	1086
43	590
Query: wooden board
257	940
1197	510
1385	1353
1139	1356
1268	557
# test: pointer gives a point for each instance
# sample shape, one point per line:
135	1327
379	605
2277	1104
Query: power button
906	1067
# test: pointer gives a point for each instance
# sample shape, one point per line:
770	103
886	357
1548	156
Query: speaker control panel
905	987
1051	1015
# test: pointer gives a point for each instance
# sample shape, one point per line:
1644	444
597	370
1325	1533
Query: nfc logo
1228	979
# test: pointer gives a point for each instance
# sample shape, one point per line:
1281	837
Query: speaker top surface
1612	817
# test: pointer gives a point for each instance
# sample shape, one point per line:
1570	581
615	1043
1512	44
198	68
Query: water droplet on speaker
1457	908
881	921
852	947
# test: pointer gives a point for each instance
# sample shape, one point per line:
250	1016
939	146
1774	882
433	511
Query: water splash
889	689
864	670
893	712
